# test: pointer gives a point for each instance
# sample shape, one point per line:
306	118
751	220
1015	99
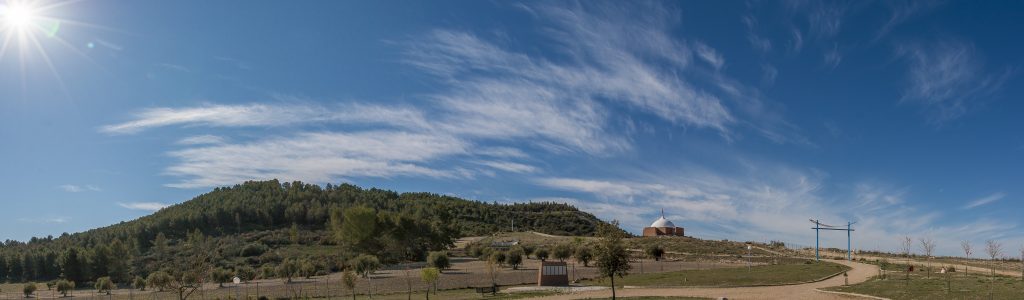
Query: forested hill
247	220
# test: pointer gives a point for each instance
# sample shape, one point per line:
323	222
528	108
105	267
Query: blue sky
741	119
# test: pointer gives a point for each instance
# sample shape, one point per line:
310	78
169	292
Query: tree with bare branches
905	243
928	246
994	250
966	245
1021	262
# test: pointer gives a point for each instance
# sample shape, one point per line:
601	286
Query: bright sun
18	16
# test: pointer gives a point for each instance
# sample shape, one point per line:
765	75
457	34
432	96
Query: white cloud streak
205	139
316	157
146	206
71	188
985	200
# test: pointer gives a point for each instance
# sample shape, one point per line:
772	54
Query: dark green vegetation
939	286
268	223
787	272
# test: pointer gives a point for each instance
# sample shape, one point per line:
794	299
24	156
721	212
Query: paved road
861	272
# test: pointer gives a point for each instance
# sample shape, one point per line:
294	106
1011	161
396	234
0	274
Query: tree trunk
613	286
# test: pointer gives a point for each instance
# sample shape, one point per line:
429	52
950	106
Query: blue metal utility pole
818	226
848	251
817	235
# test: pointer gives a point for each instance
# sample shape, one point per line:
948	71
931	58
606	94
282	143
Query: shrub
103	284
514	258
541	254
139	283
562	252
254	249
498	257
64	286
29	289
439	260
584	255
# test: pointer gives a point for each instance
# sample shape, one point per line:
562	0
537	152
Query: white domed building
663	227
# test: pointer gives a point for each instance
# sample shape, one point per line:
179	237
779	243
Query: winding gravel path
860	272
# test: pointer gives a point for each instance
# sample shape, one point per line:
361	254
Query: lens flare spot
52	27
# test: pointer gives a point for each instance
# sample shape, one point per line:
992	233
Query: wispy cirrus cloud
45	220
291	111
901	12
489	95
146	206
316	157
73	188
752	206
948	78
205	139
985	200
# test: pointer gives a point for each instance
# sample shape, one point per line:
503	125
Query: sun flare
19	16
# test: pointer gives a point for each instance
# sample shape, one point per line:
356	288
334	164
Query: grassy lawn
731	277
920	287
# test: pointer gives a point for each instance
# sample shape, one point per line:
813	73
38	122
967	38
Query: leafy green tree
541	254
101	261
514	258
439	260
562	252
221	276
308	269
356	227
267	272
245	273
158	280
64	287
287	269
584	255
430	276
365	265
612	256
73	265
498	257
160	246
29	289
293	234
119	268
139	283
104	285
528	249
655	251
348	278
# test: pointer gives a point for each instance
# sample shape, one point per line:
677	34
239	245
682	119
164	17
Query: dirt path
861	272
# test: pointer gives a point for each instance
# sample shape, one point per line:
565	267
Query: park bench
487	289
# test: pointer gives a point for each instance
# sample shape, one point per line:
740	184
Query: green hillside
262	224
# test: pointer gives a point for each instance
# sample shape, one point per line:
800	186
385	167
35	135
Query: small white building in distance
663	227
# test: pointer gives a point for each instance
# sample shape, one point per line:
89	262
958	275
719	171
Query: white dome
662	223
